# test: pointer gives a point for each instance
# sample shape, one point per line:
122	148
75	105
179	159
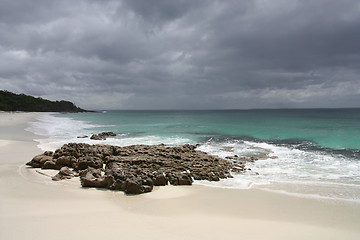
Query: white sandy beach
32	206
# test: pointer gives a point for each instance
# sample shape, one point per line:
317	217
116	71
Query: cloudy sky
183	54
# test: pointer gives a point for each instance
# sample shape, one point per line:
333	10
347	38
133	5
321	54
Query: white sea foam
48	124
294	171
57	131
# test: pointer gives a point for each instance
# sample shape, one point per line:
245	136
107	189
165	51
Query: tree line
20	102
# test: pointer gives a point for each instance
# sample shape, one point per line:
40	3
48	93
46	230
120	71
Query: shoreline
34	206
13	135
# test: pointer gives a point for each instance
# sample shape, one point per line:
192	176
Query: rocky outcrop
102	136
133	169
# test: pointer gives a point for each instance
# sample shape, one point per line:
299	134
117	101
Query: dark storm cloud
162	11
184	53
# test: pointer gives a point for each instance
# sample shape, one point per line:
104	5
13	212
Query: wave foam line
310	195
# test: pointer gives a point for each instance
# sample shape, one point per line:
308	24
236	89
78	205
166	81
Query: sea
311	153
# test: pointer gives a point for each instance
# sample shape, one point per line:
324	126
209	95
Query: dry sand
34	207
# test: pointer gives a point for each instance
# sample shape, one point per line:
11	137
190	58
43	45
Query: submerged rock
102	136
134	169
84	136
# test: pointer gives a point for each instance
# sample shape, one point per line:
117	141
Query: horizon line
232	109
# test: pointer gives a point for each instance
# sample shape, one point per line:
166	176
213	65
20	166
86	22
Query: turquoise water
312	153
336	129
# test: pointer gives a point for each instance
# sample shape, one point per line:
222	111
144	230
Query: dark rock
68	161
67	172
134	186
180	179
39	160
159	179
118	185
85	162
64	173
82	136
184	179
102	136
51	164
137	185
92	177
48	153
90	173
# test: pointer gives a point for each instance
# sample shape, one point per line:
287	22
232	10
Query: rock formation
133	169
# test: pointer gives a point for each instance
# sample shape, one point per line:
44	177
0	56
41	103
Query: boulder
102	136
159	179
51	164
64	173
180	179
39	160
134	186
68	161
92	177
184	179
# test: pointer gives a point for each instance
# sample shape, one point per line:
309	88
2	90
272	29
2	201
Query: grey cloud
162	11
183	54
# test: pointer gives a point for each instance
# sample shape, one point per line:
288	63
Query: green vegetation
20	102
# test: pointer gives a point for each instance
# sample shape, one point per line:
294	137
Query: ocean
311	153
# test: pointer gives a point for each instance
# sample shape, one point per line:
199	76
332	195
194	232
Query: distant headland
20	102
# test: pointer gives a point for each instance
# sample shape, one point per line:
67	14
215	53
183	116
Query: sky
183	54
